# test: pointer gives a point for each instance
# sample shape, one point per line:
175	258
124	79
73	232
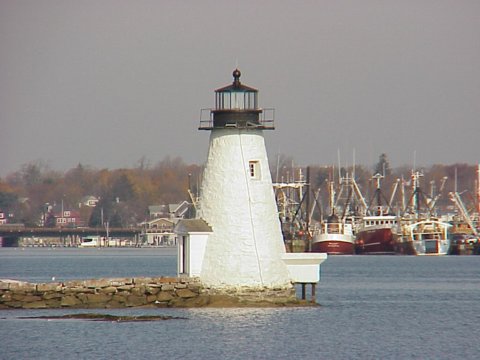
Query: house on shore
159	230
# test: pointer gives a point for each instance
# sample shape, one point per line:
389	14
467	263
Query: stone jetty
138	292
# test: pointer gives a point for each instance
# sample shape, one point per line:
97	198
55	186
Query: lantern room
236	106
236	96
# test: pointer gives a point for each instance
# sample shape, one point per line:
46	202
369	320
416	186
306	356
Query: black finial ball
236	74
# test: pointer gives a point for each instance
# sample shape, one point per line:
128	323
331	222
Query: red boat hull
333	247
376	241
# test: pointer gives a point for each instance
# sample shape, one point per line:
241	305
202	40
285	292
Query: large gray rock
70	301
134	300
186	293
35	305
49	287
108	290
164	296
97	299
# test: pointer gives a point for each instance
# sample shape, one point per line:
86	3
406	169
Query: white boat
424	237
91	241
101	241
422	233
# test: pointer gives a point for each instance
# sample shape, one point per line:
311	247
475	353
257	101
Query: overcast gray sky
107	82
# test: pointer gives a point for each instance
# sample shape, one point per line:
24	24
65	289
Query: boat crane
436	197
394	191
289	193
378	195
317	203
455	197
349	185
290	197
194	198
416	197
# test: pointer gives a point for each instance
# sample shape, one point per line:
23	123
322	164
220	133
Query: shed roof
193	226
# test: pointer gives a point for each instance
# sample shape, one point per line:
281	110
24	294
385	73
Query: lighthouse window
238	100
226	101
250	99
254	169
219	101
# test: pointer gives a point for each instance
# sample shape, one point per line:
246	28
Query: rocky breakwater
136	292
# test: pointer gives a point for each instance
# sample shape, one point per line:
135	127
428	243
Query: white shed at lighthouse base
193	235
304	267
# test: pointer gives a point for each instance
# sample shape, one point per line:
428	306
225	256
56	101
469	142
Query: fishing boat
335	235
291	197
464	233
377	232
421	232
424	237
377	235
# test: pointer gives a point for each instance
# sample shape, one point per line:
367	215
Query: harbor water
371	307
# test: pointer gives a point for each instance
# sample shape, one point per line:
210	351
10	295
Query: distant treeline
125	194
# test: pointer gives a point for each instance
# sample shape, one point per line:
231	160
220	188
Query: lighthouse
237	201
235	245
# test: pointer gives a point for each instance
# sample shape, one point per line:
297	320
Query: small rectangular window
254	169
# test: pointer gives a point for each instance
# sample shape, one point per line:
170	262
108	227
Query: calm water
373	307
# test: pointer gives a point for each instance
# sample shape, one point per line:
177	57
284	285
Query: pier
12	233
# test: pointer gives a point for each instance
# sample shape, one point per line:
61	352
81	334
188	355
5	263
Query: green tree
101	212
323	174
50	220
383	166
115	220
122	188
7	200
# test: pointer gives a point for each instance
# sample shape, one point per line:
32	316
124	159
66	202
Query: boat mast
332	197
378	195
416	193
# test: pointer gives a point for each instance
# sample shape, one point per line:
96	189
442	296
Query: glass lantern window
236	100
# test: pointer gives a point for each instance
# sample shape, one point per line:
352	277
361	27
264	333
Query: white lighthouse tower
237	199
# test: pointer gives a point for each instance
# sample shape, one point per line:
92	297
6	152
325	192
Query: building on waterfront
159	229
3	218
68	218
179	211
158	232
89	201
